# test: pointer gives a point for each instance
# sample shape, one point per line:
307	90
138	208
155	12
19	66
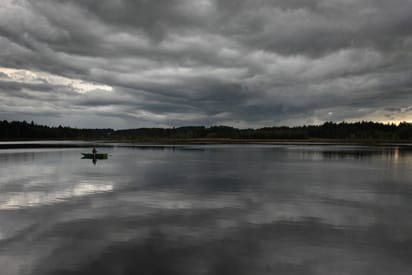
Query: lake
206	209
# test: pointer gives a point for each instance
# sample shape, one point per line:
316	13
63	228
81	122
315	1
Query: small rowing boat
94	156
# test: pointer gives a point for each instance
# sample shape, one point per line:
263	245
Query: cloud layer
244	63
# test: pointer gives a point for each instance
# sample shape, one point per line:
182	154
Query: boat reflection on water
95	156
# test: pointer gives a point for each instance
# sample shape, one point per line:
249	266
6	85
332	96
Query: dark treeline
329	130
24	130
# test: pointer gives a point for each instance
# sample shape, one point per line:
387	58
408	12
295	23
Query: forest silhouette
364	130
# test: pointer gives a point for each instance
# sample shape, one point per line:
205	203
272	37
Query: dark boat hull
94	156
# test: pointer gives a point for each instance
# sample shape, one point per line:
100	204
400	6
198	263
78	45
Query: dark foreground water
222	209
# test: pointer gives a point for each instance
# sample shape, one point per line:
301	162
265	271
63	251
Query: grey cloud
316	27
250	63
13	86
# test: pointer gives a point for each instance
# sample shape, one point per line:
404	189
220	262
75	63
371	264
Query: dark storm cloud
243	63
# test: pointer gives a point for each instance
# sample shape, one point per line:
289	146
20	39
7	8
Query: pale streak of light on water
32	199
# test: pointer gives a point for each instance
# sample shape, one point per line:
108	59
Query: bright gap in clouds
36	77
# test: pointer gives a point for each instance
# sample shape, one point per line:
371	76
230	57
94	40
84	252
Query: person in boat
94	151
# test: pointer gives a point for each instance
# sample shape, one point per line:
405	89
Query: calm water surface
208	209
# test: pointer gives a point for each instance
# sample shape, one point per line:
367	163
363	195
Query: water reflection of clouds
36	198
175	200
207	228
392	154
29	175
221	212
332	215
261	210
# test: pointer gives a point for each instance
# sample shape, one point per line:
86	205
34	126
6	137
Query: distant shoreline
329	132
206	141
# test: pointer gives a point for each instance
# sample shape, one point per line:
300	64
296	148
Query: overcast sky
244	63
